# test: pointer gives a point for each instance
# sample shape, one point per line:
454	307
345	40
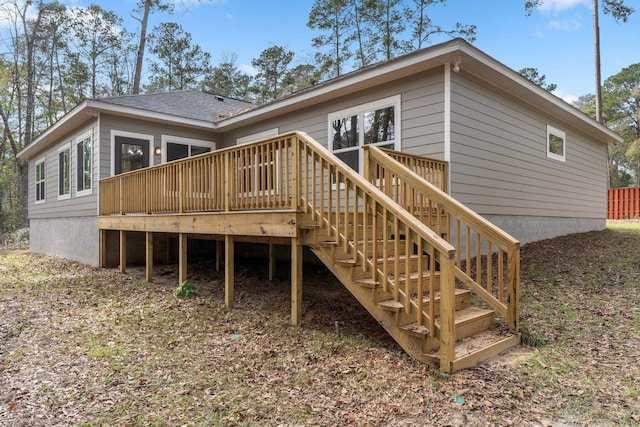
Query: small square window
556	144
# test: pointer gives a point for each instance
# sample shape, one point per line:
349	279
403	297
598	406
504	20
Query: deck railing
250	176
294	171
487	259
433	170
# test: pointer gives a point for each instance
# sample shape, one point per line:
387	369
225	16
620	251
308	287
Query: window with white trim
40	181
84	165
556	144
375	123
175	147
64	172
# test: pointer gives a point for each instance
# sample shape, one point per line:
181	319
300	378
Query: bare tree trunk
141	46
596	34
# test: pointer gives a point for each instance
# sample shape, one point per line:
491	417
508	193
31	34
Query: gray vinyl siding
75	206
156	130
499	162
422	128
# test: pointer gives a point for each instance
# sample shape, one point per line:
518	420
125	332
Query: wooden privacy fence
624	203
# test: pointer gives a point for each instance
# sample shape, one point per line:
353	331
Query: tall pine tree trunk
141	46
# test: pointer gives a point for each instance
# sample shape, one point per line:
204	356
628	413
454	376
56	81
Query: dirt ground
81	346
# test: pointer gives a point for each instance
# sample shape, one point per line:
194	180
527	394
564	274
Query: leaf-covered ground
82	346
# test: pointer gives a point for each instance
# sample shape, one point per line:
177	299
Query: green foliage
227	80
184	290
362	32
180	64
534	75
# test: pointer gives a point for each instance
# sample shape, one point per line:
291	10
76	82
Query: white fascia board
607	134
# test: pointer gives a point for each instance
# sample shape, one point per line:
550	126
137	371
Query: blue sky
557	39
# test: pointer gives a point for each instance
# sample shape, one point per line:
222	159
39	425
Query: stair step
471	320
413	280
391	305
480	347
415	330
462	301
368	283
348	262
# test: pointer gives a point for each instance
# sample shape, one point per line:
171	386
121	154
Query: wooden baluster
396	258
385	250
407	270
489	268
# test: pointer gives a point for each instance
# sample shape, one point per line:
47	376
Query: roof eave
90	108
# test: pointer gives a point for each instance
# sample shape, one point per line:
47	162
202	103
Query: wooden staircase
477	337
439	278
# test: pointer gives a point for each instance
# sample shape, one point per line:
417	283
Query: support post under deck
228	271
123	251
148	271
296	281
182	258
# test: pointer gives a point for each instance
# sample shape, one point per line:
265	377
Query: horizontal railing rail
433	170
487	258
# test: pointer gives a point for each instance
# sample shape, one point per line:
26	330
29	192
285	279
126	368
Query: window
40	181
376	123
556	144
64	172
84	165
131	151
174	147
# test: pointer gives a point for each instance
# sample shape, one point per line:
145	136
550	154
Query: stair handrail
409	186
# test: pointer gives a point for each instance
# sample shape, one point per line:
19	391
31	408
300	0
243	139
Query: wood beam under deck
272	223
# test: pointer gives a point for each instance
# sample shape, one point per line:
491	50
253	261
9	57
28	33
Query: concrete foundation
72	238
529	229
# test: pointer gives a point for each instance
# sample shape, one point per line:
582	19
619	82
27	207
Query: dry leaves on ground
83	346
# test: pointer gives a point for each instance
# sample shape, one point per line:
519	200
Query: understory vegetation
88	347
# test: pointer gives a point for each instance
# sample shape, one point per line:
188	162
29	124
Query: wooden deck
409	253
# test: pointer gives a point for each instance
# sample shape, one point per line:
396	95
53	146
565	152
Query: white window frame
258	136
80	140
165	139
115	133
43	181
62	149
559	134
359	110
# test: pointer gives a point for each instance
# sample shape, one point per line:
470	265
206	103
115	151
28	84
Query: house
518	156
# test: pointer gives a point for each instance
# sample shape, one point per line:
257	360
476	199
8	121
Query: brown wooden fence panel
624	203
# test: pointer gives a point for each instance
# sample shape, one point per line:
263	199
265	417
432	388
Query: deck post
272	262
513	283
447	316
182	258
123	251
228	271
296	281
103	249
148	271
